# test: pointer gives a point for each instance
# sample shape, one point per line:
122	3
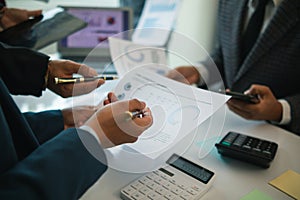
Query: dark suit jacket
38	160
274	60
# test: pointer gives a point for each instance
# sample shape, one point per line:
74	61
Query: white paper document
177	108
156	22
127	55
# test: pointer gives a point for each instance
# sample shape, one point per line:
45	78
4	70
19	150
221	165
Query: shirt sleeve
286	112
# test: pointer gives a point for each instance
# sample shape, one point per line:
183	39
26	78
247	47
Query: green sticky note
256	195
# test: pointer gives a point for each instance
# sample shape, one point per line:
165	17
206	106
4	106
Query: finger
106	101
100	82
112	97
242	113
84	88
34	13
135	105
87	71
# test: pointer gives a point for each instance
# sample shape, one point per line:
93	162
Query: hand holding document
176	108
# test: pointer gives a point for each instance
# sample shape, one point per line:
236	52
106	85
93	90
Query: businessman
38	158
257	53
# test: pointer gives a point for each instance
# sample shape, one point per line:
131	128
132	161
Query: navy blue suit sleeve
45	125
23	70
62	168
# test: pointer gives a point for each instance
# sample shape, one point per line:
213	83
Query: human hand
14	16
77	116
66	69
111	97
268	108
112	125
185	74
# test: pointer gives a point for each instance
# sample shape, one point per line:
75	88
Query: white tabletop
234	179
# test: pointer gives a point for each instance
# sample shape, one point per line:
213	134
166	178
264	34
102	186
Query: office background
196	20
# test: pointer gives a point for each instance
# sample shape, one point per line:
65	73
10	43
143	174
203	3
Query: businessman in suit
38	158
257	53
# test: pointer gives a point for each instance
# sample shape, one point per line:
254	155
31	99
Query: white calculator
181	179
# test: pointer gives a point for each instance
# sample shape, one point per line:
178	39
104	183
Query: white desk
234	179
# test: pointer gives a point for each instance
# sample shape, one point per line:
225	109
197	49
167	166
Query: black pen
82	79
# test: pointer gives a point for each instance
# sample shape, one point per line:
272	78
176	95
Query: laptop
90	44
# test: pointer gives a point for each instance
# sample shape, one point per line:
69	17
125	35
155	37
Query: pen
134	114
82	79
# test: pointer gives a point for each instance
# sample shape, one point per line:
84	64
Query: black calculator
247	148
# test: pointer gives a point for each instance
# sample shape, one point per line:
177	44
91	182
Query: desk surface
234	179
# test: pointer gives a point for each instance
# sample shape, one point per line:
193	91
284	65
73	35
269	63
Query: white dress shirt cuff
91	131
286	112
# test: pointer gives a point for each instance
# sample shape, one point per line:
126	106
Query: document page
127	55
177	108
156	22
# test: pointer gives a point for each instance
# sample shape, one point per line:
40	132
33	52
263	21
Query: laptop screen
101	24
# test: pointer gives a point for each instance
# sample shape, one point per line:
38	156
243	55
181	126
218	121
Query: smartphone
243	97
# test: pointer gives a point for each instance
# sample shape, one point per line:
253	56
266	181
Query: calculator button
176	190
161	190
186	196
152	185
129	190
229	139
137	185
256	149
192	191
159	181
168	185
267	152
145	180
145	190
154	196
170	196
138	196
182	186
246	146
151	176
240	140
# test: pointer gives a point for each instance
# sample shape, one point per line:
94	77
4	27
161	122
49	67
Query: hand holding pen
66	69
120	122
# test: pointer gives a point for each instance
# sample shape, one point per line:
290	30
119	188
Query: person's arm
62	168
46	125
23	70
29	73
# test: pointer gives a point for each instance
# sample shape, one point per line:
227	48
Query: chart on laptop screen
101	24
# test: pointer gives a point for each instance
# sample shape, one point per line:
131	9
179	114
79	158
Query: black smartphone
243	97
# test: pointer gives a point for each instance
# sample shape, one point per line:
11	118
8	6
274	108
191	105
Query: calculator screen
190	168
